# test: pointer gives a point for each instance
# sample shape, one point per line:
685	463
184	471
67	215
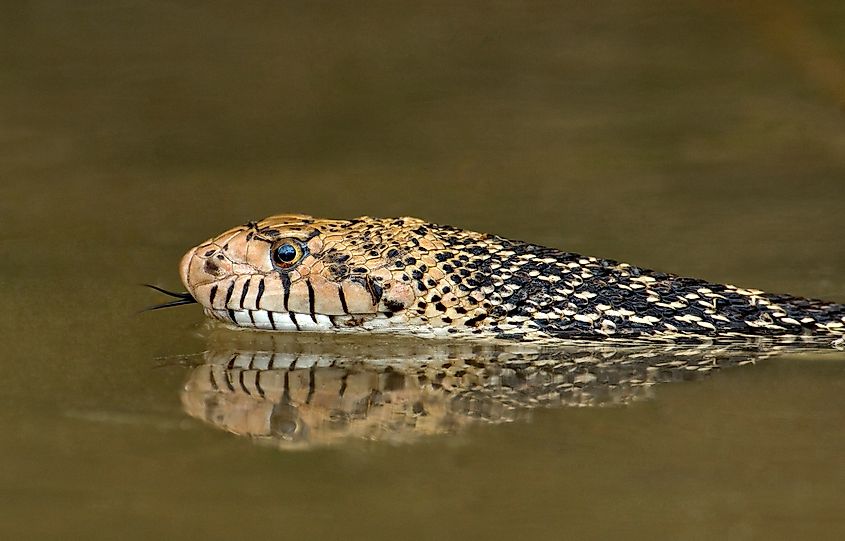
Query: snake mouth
268	320
274	321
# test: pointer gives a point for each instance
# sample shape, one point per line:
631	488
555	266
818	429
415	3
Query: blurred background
704	137
635	129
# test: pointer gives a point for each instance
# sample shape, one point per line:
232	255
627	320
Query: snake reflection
293	391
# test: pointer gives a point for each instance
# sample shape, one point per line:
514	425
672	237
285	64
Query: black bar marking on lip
212	381
311	300
375	290
342	296
258	383
211	295
231	364
272	319
286	287
293	318
251	317
259	294
229	380
343	384
242	383
243	294
229	295
312	384
232	316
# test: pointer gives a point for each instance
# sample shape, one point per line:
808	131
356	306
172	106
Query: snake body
407	276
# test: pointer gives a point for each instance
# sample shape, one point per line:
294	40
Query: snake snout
203	265
185	269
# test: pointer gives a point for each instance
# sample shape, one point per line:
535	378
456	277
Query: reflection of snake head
292	399
240	412
319	392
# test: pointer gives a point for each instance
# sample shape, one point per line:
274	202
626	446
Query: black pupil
286	253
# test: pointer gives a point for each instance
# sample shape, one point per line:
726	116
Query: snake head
296	272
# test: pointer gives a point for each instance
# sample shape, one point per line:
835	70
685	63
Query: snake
406	276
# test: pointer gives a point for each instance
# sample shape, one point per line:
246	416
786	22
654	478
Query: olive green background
700	137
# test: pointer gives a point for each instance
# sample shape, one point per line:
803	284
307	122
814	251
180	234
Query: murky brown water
705	138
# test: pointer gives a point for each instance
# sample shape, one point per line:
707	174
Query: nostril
210	267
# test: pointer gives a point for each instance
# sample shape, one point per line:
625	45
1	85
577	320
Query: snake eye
286	253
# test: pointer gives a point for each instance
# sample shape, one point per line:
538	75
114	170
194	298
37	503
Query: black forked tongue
181	298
